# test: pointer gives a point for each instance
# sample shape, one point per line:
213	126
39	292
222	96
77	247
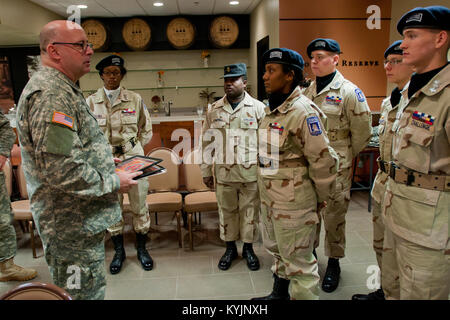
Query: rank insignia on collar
423	117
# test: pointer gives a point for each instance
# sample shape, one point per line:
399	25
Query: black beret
234	70
323	44
284	56
394	48
112	60
433	17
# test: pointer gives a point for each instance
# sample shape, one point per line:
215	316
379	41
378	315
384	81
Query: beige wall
173	59
21	21
264	21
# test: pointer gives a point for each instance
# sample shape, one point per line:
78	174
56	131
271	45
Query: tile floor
179	273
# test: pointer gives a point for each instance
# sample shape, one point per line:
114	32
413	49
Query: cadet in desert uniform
125	121
237	116
399	74
296	176
415	209
349	130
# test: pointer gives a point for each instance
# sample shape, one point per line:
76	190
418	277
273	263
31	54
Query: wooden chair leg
199	218
179	228
31	228
195	217
191	240
156	218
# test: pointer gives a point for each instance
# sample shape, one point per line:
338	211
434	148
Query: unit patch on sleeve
360	95
314	126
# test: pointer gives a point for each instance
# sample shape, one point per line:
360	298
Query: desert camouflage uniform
126	124
303	176
349	130
415	210
385	134
71	181
236	187
8	244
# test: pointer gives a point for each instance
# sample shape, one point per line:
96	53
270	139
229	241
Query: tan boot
11	272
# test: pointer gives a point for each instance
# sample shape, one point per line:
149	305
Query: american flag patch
61	118
423	117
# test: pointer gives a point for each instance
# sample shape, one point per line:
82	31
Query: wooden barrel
223	32
181	33
137	34
97	34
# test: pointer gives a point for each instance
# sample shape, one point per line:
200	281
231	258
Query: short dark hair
298	75
123	71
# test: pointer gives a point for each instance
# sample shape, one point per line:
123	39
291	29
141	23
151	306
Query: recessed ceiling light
234	3
82	6
158	4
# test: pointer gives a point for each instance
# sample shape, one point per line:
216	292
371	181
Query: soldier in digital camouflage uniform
349	130
399	74
68	164
296	176
415	209
125	121
235	116
8	243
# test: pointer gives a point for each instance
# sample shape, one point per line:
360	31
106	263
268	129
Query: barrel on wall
137	34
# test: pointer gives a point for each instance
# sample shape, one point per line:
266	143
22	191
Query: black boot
331	278
229	255
119	256
376	295
280	290
249	254
142	253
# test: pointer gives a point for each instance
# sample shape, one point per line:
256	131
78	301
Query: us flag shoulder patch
62	118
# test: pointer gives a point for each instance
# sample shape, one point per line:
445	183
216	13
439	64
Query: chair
200	198
21	208
162	197
36	291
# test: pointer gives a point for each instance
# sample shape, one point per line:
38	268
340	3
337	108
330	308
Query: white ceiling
126	8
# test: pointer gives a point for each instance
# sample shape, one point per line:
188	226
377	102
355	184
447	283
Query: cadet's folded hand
321	206
126	180
209	182
117	160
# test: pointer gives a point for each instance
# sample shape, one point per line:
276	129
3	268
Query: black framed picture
6	86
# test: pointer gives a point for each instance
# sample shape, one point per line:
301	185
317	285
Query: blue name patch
314	126
360	95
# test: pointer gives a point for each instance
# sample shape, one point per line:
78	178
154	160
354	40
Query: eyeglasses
393	62
82	45
108	74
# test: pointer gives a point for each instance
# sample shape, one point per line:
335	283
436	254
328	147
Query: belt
383	165
417	179
124	148
289	163
338	134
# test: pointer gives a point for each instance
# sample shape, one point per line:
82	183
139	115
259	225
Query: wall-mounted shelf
172	69
157	88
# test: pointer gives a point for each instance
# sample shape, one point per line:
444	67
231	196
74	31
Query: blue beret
394	48
323	44
234	70
284	56
433	17
112	60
